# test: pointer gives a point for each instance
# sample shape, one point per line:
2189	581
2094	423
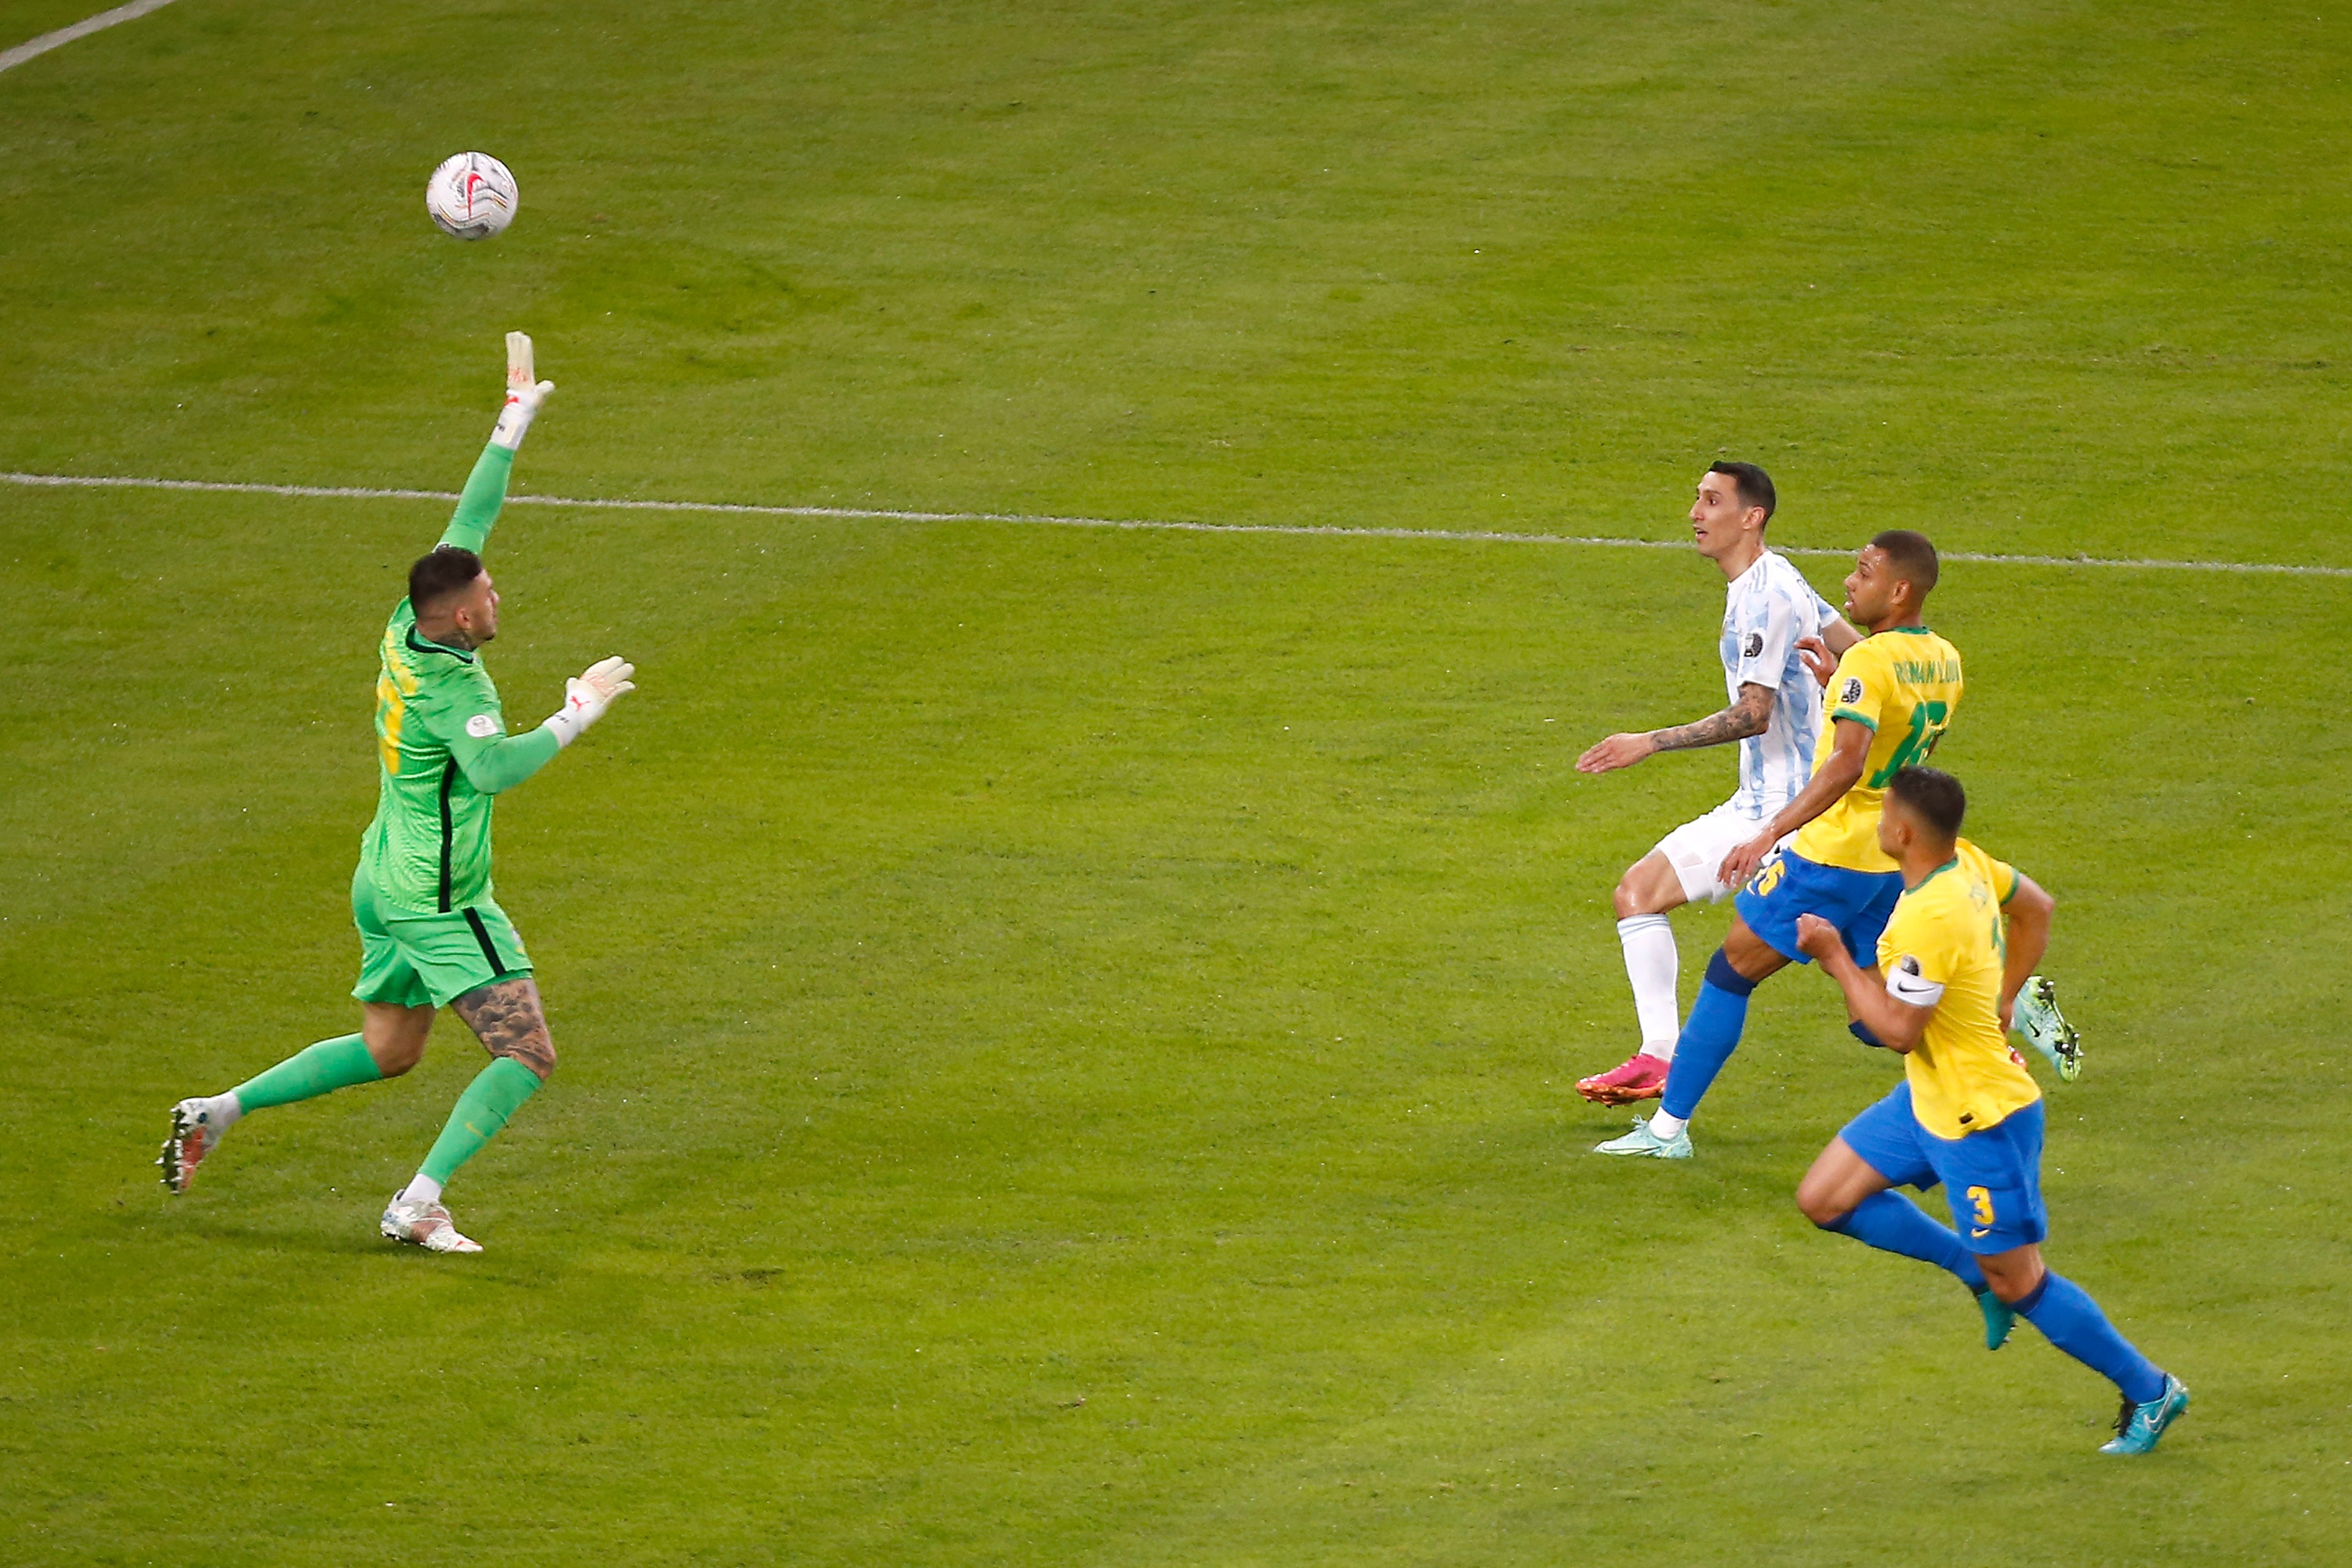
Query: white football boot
424	1225
1641	1143
195	1133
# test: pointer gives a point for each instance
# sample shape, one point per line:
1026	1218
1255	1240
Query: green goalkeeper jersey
442	747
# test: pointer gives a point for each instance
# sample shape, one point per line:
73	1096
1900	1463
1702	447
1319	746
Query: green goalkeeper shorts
424	959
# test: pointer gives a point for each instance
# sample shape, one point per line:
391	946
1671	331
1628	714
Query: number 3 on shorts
1980	1203
1768	876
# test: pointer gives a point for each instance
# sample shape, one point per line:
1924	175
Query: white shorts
1696	850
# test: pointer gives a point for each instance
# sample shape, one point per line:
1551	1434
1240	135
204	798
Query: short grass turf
1067	1035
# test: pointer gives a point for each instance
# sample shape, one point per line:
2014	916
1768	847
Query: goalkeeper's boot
2046	1029
1999	1318
425	1225
1642	1142
195	1133
1639	1077
2139	1427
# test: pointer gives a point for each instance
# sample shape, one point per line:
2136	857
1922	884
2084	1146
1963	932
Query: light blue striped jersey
1769	606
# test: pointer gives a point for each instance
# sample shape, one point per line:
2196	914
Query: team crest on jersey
1851	690
1753	645
481	726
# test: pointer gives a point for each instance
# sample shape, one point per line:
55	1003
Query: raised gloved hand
588	694
524	395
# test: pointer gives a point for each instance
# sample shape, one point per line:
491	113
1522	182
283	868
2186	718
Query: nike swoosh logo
1974	1232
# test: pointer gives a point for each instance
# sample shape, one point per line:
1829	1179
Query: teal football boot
1641	1140
2139	1426
2046	1029
2000	1319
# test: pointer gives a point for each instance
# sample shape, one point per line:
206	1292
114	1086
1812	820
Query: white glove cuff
513	420
564	725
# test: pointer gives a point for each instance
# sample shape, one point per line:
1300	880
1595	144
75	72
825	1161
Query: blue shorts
1993	1178
1787	885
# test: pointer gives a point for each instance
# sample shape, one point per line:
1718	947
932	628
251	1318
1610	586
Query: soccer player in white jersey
1770	614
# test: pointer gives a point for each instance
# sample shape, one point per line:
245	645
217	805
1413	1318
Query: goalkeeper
431	932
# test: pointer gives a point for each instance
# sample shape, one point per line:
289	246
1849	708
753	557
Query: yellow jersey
1943	947
1904	684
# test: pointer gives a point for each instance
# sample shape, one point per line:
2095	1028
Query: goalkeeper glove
524	395
587	695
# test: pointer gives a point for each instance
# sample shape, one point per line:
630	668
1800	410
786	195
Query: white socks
1651	964
1666	1126
421	1189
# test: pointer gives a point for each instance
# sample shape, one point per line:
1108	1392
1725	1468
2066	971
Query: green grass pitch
1067	1035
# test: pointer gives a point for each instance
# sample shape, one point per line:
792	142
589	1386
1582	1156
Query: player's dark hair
447	570
1913	558
1933	795
1754	485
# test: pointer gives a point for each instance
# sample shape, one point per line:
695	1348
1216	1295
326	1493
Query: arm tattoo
505	1015
1751	715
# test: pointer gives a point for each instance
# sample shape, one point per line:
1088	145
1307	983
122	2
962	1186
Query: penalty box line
1047	520
33	48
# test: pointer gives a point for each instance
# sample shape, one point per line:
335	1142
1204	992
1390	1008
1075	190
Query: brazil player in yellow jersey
431	932
1893	696
1954	955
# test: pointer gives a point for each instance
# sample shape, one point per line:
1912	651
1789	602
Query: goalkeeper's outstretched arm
485	487
495	764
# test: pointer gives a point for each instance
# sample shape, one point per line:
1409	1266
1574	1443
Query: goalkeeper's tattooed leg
506	1017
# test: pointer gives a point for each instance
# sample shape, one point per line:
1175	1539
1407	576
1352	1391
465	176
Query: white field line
82	29
356	492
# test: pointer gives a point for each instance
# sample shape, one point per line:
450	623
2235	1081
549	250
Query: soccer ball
471	196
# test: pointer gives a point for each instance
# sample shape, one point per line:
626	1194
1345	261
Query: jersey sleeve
477	505
1999	875
1860	688
1768	632
1915	956
462	712
1907	984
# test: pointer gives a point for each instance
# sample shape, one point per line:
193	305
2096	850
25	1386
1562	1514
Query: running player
1894	694
1960	947
1769	612
431	932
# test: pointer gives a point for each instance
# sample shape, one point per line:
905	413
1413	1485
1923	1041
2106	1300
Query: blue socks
2070	1319
1709	1036
2061	1308
1893	1223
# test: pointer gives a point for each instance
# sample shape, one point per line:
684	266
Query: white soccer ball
471	196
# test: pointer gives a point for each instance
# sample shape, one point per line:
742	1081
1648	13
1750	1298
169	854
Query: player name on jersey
1904	685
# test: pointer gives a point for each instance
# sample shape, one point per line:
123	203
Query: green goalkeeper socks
315	1070
497	1092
